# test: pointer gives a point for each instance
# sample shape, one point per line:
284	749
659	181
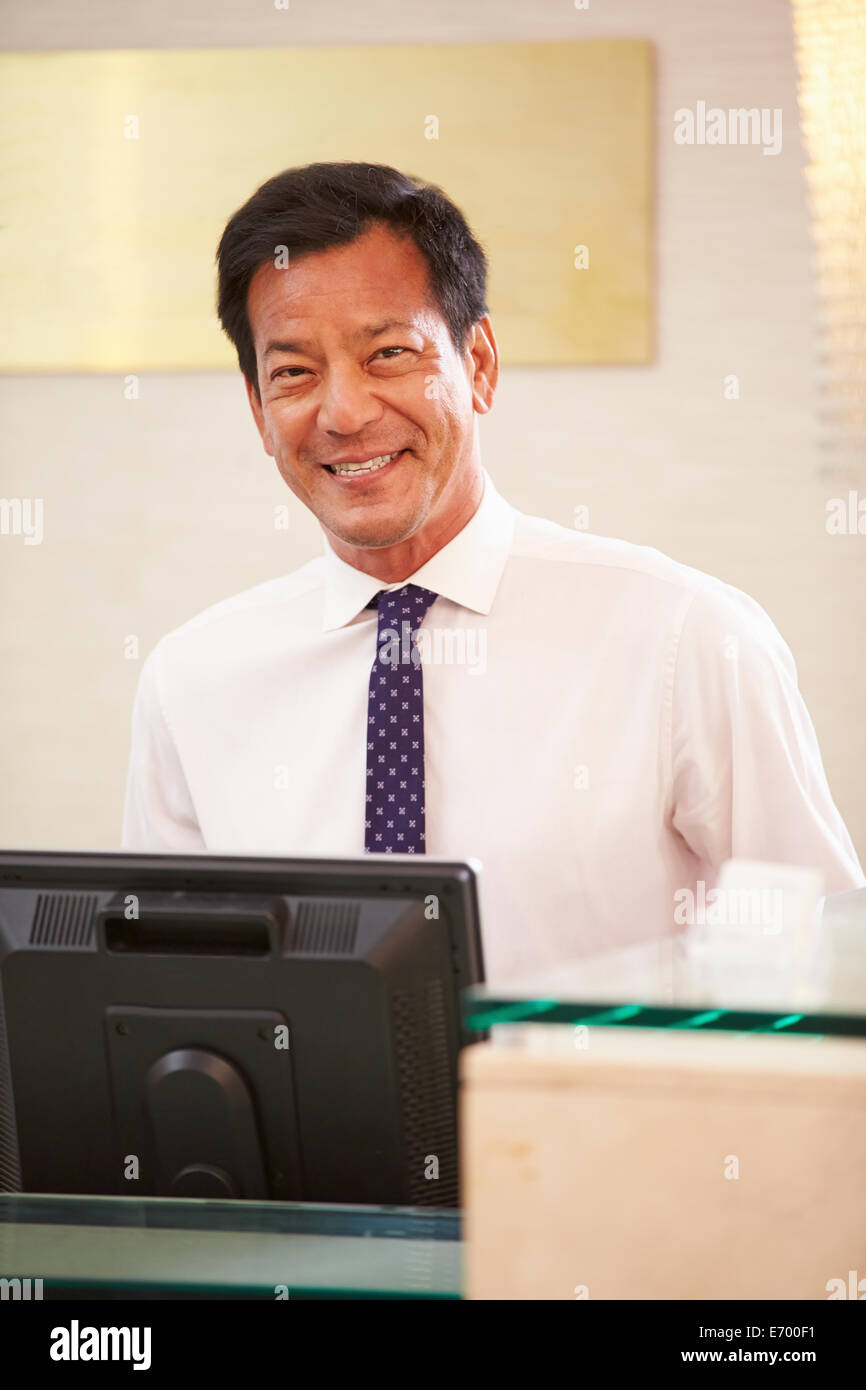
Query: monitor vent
427	1095
63	919
10	1163
326	928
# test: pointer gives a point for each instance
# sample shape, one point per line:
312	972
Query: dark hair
318	206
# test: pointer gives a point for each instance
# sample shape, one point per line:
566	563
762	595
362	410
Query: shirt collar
467	570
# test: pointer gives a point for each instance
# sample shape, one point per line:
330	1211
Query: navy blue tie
394	818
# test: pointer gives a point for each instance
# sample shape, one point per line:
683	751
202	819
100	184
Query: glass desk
91	1247
728	980
150	1247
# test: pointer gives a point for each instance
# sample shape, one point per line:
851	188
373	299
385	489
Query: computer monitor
263	1028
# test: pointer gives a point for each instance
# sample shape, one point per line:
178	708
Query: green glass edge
481	1014
251	1292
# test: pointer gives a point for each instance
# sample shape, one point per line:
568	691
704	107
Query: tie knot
412	602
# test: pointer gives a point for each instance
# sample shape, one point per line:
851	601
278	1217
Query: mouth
354	473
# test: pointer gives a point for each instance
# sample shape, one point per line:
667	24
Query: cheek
281	431
455	399
444	410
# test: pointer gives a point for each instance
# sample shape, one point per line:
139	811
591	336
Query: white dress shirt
603	728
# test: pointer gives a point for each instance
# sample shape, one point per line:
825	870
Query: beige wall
157	507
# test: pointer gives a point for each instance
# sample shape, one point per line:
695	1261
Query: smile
354	470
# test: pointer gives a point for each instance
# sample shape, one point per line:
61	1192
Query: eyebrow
370	331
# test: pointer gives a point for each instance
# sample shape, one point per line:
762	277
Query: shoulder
244	618
639	583
577	556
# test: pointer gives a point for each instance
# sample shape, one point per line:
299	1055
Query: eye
284	370
392	349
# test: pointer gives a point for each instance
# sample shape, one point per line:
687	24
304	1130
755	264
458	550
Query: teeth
369	467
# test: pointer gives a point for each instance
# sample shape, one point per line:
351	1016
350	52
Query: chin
360	526
371	535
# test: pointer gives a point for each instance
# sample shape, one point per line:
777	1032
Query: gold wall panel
109	242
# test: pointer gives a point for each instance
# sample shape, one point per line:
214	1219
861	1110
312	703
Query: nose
347	404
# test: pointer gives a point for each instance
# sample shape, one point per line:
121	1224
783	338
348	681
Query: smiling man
633	722
386	457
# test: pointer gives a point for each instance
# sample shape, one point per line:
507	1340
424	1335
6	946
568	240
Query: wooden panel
663	1166
111	226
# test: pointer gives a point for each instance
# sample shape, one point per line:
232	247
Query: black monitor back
232	1027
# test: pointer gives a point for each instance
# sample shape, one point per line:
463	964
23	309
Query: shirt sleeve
159	813
746	772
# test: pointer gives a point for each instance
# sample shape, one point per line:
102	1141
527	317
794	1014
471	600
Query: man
600	726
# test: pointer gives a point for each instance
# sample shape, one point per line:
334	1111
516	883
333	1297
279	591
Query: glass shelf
703	981
153	1247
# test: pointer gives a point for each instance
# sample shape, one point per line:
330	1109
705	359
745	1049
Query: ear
258	416
483	364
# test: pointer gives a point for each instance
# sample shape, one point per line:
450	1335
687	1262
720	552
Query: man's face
355	363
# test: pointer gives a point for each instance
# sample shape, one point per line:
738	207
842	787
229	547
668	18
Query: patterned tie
394	819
